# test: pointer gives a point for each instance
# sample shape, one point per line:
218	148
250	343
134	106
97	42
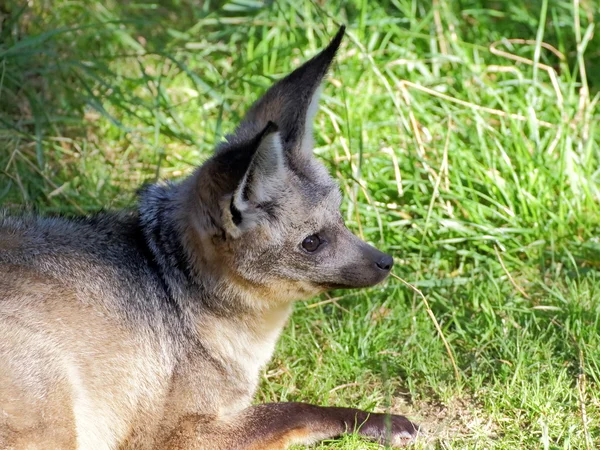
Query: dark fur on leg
276	426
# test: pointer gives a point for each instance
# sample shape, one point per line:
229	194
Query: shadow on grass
58	77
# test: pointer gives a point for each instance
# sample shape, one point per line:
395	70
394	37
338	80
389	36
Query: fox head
265	212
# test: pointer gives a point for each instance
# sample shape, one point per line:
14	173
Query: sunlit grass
470	165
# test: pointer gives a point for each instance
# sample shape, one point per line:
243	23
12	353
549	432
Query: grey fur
148	329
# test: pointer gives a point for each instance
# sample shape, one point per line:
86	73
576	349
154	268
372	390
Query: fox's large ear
260	184
293	101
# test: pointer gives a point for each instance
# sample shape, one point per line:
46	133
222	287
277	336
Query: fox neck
234	322
243	344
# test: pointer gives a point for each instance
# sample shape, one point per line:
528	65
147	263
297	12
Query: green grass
460	161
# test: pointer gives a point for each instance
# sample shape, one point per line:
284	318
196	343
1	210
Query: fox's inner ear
293	102
261	183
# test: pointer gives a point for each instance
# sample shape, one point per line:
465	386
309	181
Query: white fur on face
308	141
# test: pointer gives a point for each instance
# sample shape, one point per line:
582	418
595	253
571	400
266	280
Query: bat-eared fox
148	328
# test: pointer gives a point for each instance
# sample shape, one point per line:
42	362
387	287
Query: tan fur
300	435
148	329
105	406
102	406
248	340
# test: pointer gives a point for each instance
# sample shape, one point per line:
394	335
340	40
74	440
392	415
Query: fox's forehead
314	182
327	210
313	205
320	192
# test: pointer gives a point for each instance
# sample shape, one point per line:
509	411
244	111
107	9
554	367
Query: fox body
147	329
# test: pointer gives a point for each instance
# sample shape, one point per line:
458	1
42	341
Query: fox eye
311	243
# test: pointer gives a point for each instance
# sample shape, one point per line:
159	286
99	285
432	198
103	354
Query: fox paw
395	431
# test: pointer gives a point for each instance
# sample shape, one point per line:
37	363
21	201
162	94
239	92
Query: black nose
385	263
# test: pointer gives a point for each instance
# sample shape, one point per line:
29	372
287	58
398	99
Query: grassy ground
473	158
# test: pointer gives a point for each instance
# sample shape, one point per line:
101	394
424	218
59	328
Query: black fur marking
236	215
249	182
163	236
138	238
167	239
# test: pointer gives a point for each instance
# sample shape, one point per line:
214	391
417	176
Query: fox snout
360	264
378	265
385	262
380	262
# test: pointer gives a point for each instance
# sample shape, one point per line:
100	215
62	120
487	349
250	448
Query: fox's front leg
275	426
